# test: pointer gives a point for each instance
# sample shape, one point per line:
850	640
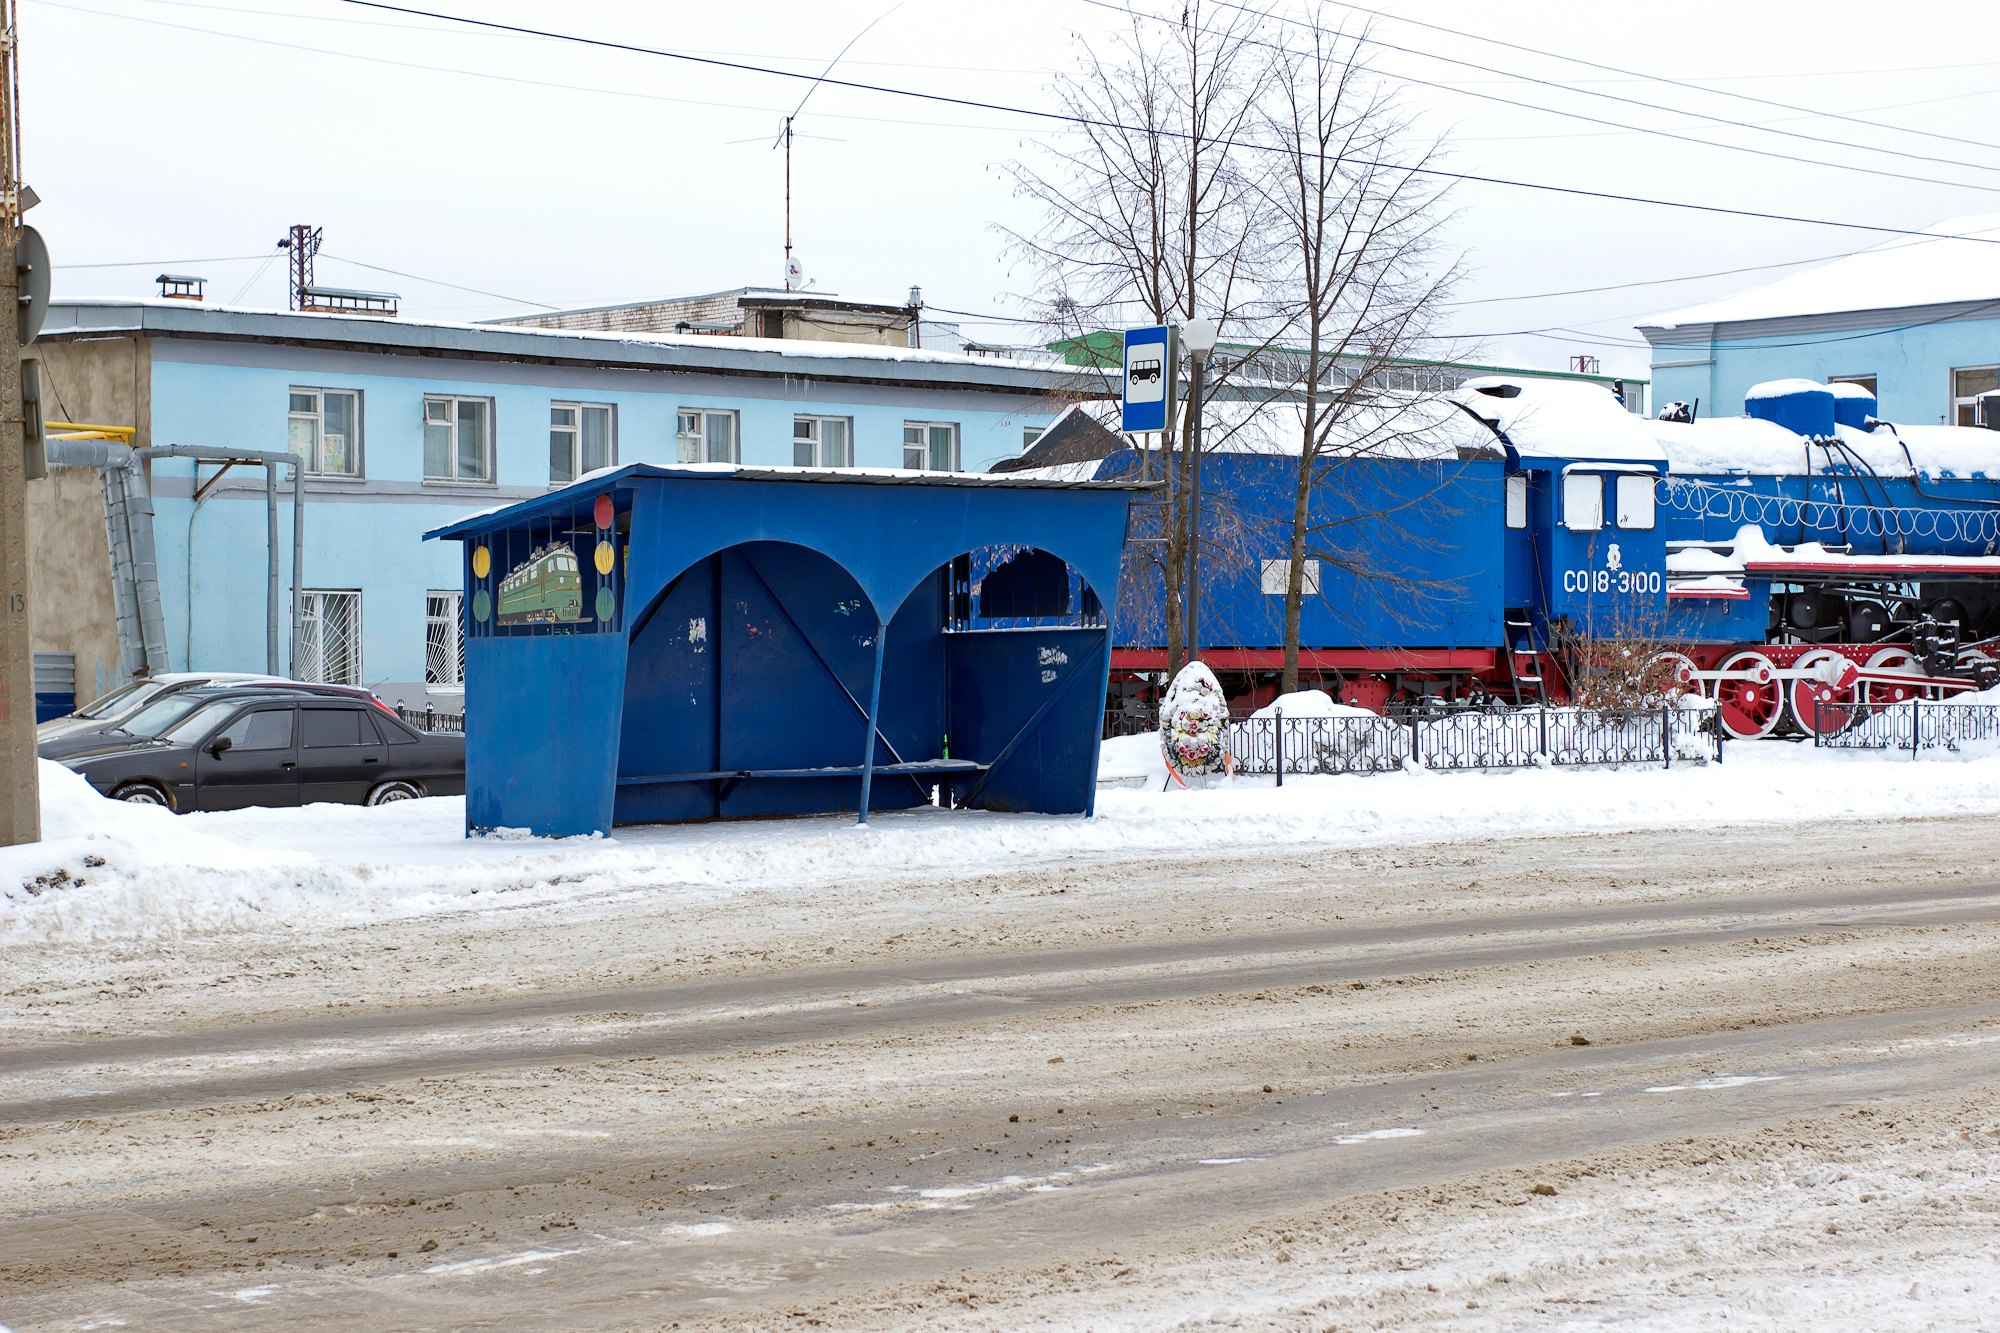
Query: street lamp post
1199	335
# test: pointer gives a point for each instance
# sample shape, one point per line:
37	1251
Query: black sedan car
248	746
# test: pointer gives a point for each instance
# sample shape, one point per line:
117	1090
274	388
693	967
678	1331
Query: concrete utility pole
22	799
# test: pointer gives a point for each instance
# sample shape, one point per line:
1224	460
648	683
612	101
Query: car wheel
143	793
394	791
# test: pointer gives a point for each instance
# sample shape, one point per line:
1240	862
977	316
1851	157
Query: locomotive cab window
1517	501
1583	502
1635	501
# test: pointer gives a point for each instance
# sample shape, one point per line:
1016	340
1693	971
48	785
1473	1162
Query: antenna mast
786	136
788	202
303	241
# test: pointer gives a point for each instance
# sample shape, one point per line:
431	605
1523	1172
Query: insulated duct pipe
270	461
128	523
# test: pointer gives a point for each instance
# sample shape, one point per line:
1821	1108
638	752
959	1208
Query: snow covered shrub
1191	720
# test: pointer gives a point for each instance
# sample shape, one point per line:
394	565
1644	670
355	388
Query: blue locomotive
1482	547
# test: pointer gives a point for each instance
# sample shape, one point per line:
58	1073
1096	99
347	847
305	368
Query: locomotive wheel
1750	707
1881	693
1676	674
1805	696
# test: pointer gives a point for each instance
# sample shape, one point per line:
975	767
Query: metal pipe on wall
270	460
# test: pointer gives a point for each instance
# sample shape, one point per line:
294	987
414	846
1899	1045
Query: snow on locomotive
1515	531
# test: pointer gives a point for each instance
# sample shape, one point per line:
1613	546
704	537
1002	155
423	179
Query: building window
326	431
458	439
822	442
1583	501
707	437
579	440
1029	434
1517	500
930	446
1967	387
1635	501
444	639
1865	381
330	639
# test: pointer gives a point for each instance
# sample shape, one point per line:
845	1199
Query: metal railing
428	718
1917	725
1518	738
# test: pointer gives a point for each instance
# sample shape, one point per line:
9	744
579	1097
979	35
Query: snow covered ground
110	871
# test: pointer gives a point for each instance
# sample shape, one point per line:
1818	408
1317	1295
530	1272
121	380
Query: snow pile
1784	389
1191	720
1309	703
1547	418
1714	446
1930	269
110	871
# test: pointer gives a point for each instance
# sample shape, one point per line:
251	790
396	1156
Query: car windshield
157	716
197	724
121	699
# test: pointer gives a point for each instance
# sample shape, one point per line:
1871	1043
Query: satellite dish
795	273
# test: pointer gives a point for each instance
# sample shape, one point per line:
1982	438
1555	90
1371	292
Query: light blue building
408	426
1915	320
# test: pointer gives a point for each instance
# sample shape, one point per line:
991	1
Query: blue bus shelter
679	643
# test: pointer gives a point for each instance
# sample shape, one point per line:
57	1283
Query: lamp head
1199	335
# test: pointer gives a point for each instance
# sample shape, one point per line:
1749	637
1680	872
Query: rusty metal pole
22	800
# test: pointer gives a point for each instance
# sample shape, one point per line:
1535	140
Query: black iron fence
1915	726
1517	738
428	718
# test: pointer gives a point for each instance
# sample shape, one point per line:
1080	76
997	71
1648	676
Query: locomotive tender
1801	555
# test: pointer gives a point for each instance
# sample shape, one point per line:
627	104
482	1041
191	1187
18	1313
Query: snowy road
1295	1090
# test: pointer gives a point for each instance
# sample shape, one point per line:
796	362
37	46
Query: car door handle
287	765
372	759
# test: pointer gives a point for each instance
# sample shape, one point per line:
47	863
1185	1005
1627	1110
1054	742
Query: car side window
324	727
394	733
265	729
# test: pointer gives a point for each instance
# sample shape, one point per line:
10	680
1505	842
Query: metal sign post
1151	359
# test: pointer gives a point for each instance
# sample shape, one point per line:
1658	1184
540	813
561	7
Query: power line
504	78
1068	118
1616	125
162	263
436	282
1654	282
1651	78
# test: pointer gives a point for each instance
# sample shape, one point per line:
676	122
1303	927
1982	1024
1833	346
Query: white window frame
1030	435
1971	404
923	448
1517	500
575	432
316	419
694	446
444	639
816	441
1583	501
1633	493
450	420
313	619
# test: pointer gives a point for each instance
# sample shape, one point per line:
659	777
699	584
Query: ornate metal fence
1915	726
1471	740
428	718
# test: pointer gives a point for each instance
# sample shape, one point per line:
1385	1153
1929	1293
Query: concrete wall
1912	366
106	382
366	534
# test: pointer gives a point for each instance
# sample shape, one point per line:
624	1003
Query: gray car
273	747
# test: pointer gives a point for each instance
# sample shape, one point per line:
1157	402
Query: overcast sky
165	134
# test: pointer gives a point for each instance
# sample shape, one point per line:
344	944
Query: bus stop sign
1150	363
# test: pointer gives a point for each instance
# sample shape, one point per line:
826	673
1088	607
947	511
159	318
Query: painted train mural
1803	554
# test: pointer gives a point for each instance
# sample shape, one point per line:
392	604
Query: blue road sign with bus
1149	379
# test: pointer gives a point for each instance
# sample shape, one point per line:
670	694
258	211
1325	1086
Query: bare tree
1150	215
1359	287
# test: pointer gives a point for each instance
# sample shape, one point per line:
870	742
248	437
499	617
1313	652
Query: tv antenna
793	271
